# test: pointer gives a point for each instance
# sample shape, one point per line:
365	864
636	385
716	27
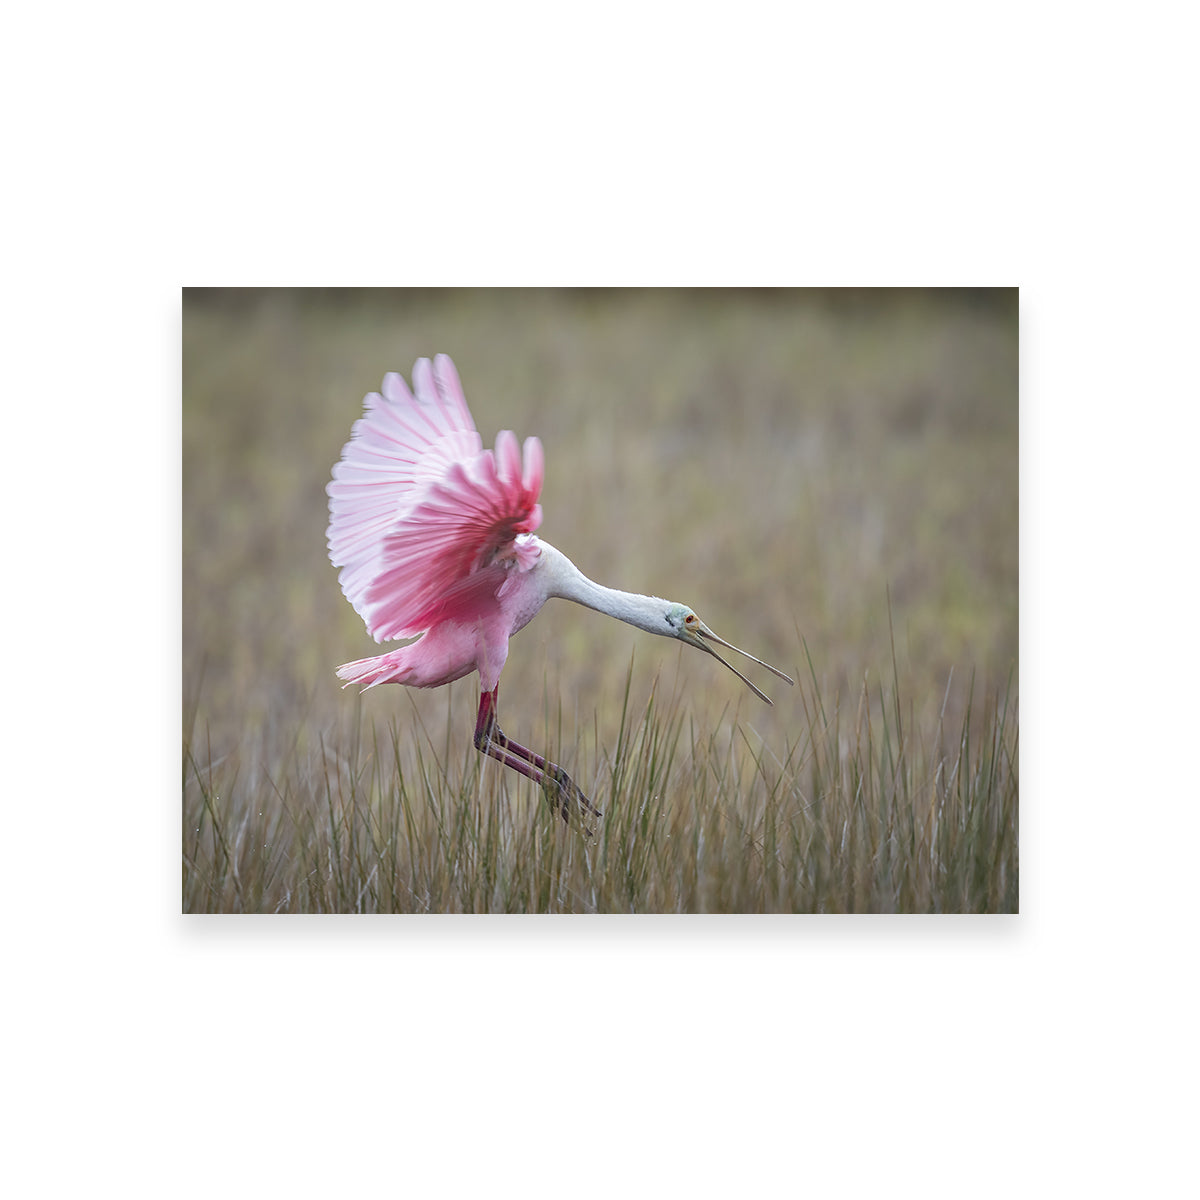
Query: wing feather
417	506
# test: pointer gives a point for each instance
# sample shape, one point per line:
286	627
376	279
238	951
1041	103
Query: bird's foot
566	799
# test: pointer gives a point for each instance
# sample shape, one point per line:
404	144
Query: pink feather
417	506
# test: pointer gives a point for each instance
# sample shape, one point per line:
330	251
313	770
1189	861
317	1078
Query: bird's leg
562	792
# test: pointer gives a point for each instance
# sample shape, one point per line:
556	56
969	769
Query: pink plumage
433	536
417	506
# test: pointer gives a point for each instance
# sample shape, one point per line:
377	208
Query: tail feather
383	668
440	656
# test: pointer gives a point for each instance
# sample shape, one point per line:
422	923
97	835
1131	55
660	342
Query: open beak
702	637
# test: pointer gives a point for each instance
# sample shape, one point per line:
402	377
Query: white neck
564	579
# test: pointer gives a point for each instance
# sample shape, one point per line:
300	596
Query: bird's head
683	623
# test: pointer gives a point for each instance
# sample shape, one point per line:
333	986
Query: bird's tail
440	656
383	668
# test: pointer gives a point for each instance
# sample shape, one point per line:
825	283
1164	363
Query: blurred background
781	461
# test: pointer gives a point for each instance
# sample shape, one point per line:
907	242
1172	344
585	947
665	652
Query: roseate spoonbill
434	538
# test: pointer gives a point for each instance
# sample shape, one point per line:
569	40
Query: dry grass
830	481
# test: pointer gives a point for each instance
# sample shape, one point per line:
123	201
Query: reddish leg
561	791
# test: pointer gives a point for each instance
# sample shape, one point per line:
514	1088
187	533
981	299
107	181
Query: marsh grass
862	811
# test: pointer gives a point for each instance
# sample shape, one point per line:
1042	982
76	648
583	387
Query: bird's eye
691	619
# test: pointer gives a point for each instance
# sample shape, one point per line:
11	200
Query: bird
434	540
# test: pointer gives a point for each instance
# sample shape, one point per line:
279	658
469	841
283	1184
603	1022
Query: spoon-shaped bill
707	636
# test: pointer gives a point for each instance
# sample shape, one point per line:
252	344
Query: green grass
859	813
830	482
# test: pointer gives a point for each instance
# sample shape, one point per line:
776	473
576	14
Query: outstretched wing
417	505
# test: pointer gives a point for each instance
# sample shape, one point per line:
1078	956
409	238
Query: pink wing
417	506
